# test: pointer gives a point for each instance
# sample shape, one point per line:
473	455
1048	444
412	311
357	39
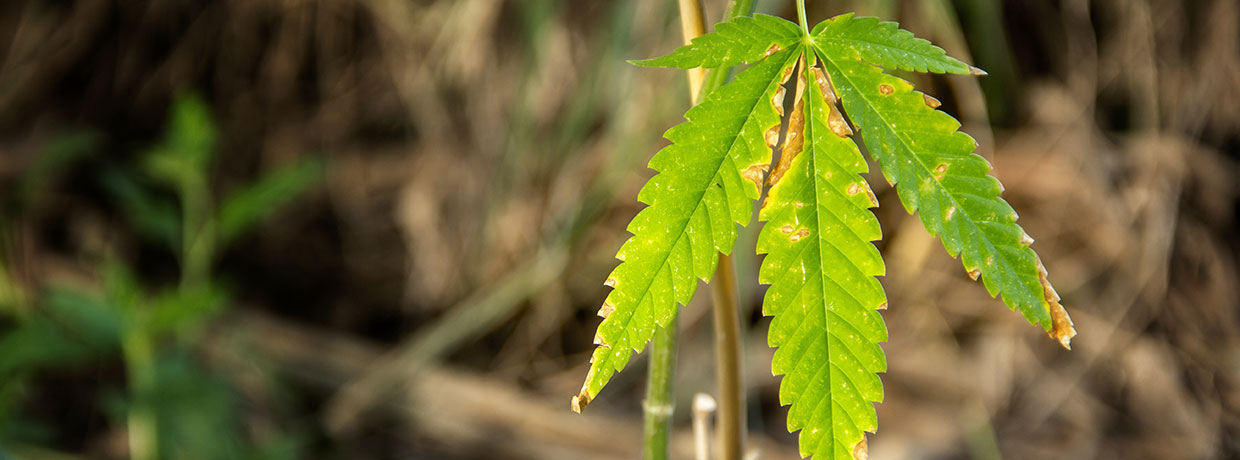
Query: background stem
659	400
731	430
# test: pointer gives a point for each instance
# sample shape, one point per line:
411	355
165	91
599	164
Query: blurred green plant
173	406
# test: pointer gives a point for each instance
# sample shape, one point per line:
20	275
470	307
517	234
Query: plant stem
801	17
731	415
659	400
692	26
143	432
731	401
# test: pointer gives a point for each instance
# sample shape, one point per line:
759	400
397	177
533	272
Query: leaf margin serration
885	44
742	40
614	349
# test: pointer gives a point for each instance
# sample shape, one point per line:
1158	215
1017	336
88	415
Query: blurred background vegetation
378	229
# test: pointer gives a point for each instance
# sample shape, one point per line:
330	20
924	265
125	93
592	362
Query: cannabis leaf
820	261
708	178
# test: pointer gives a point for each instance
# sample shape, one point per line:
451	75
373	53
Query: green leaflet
823	295
708	178
741	41
883	43
937	175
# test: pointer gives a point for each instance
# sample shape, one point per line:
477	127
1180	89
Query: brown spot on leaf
799	204
802	233
861	451
835	121
777	101
931	102
611	282
755	173
974	273
885	89
854	188
1061	323
772	136
951	211
598	340
774	48
824	84
793	143
787	229
787	74
882	306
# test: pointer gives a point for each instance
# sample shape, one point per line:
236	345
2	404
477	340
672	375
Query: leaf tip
1062	328
580	401
606	309
861	451
977	72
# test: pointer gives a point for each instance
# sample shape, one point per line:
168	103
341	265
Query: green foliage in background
820	263
175	406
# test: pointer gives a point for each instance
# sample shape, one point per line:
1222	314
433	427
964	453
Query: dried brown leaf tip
861	451
1061	324
580	401
582	398
931	102
606	309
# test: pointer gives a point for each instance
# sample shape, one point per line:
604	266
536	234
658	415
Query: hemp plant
818	228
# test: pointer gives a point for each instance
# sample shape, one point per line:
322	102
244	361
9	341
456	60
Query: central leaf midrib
819	187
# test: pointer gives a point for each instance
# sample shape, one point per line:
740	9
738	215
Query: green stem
801	17
659	401
197	234
143	432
